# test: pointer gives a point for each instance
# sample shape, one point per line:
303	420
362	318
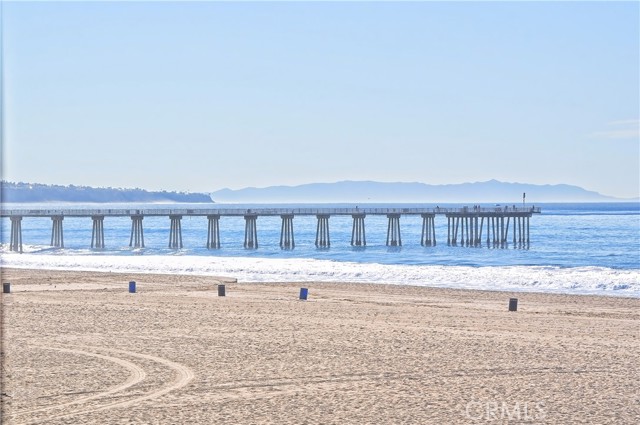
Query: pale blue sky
206	95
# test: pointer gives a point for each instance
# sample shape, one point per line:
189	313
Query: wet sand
78	348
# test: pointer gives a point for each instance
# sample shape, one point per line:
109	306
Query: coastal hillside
34	192
372	192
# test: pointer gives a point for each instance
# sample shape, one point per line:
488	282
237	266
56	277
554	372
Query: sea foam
569	280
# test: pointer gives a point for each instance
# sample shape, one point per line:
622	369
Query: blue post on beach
513	304
303	293
132	287
6	288
221	291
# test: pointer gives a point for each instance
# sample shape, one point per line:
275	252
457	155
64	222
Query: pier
466	226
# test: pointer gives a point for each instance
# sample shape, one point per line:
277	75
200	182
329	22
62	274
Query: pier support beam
97	234
497	231
474	226
506	231
428	237
498	226
464	220
358	237
469	225
322	231
494	219
137	233
468	221
521	235
286	232
522	230
16	234
175	234
213	233
488	231
504	228
250	231
393	230
57	237
454	230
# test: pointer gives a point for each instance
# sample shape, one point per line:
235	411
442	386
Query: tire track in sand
136	375
184	375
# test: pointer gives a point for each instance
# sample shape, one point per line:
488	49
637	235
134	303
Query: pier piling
250	231
213	233
454	238
137	233
358	237
286	232
175	234
97	233
15	243
57	237
393	230
322	231
428	237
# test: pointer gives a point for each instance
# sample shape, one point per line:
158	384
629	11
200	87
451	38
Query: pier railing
83	212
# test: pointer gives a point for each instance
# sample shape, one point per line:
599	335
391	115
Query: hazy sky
205	95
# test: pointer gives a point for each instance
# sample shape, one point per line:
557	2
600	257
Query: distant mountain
34	192
377	192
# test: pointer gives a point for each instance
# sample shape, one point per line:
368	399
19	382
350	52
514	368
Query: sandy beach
78	348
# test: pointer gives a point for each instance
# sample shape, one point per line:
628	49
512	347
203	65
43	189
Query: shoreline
77	346
452	286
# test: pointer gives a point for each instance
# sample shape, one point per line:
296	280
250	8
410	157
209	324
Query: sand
78	348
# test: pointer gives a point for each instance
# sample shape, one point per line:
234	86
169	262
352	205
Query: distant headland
34	192
379	192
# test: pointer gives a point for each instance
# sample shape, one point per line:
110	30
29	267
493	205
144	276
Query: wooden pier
465	226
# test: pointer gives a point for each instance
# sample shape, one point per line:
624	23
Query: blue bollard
132	287
303	293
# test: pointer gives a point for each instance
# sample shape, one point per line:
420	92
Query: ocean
575	248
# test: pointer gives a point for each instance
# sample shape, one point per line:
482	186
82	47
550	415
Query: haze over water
574	248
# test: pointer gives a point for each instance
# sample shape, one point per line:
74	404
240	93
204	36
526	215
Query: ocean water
586	248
